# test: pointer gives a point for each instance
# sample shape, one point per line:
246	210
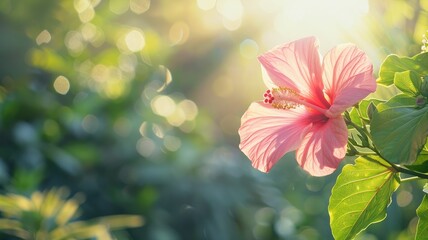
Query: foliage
50	215
422	229
395	132
360	196
394	64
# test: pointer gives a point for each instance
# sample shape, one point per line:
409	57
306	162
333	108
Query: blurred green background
136	104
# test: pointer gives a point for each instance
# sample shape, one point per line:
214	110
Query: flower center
282	98
286	98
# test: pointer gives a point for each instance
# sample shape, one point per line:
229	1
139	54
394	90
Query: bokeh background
136	104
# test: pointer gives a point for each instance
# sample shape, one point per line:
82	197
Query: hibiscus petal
348	77
268	133
295	65
324	147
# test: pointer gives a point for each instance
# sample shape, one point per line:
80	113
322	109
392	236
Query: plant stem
409	179
408	171
397	168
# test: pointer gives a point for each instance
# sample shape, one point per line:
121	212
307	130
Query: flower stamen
286	98
283	98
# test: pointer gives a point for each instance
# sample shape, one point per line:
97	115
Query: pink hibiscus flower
303	107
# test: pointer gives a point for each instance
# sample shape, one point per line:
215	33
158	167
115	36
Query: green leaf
398	101
424	86
14	228
360	196
394	64
408	82
362	107
422	212
421	163
400	133
371	108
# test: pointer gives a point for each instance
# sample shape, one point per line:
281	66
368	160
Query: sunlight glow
145	147
404	198
329	20
232	25
118	7
172	143
344	13
179	33
189	108
100	73
176	114
74	42
61	85
206	4
88	31
158	130
85	9
114	88
177	118
135	41
43	37
81	5
163	105
249	49
230	9
139	6
232	12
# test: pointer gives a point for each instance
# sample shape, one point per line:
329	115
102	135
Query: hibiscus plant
318	107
